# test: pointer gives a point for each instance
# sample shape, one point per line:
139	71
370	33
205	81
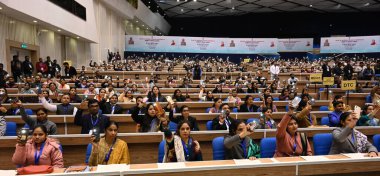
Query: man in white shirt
274	70
292	80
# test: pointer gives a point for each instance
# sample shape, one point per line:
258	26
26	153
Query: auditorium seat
218	148
29	111
235	110
256	99
376	141
267	147
161	151
325	121
209	125
88	152
322	143
208	110
324	108
276	99
172	126
368	99
11	129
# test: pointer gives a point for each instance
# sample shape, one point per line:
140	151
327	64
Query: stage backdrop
295	45
360	44
174	44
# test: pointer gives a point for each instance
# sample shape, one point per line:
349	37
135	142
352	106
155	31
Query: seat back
172	126
267	147
322	143
368	99
209	125
235	110
161	151
324	108
256	99
218	148
276	99
376	141
11	129
29	111
325	121
208	110
88	152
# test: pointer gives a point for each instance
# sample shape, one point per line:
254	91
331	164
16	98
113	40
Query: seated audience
3	124
40	120
185	115
181	147
346	139
238	144
91	120
40	150
290	142
304	116
268	103
127	97
65	108
177	96
369	116
335	115
248	105
209	96
111	107
109	149
155	95
147	122
266	121
216	106
223	122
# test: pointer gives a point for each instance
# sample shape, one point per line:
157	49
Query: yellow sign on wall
315	77
348	85
247	60
328	81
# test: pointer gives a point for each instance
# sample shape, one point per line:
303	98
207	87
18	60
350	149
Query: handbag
35	169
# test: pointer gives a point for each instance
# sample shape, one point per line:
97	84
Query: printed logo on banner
328	81
348	85
315	77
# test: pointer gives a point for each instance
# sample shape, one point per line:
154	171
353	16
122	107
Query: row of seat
321	143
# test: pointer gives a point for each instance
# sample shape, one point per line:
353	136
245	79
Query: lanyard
250	109
228	123
295	145
353	137
96	122
310	119
37	154
269	123
185	148
109	152
244	149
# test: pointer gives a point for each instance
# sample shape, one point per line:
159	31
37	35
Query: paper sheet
112	168
8	172
246	162
356	155
314	158
171	165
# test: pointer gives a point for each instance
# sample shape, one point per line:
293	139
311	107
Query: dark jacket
326	71
244	108
217	126
234	148
144	120
106	108
192	120
88	122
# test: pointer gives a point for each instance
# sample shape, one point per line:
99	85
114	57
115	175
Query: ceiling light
59	30
195	0
137	21
78	37
311	5
11	21
207	9
1	8
233	7
34	21
177	0
367	4
181	10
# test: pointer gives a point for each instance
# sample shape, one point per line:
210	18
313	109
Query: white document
112	168
356	155
246	162
176	165
315	158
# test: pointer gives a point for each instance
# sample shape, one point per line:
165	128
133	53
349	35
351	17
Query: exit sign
24	45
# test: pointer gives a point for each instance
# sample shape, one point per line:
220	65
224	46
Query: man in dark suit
223	122
326	70
69	70
92	120
111	107
27	67
16	68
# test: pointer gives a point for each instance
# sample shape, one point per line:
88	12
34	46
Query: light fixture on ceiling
367	4
233	8
311	5
59	30
1	8
338	6
181	10
207	9
177	0
137	21
34	21
78	37
195	0
143	25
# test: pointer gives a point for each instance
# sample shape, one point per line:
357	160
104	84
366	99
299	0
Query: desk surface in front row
314	165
